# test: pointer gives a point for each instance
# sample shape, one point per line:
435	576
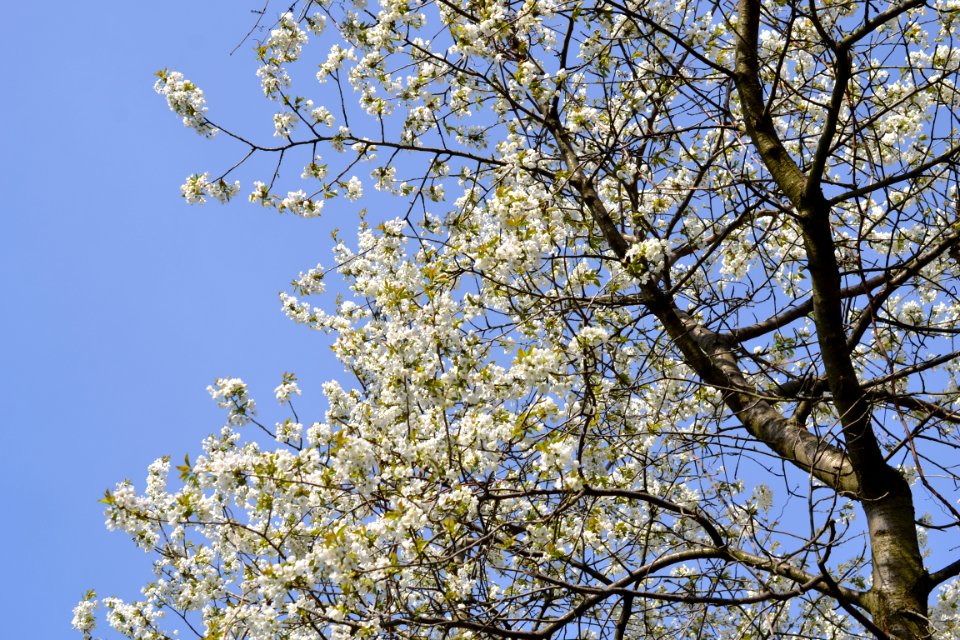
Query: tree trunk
897	601
898	598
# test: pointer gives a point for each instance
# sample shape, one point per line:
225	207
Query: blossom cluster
186	100
198	188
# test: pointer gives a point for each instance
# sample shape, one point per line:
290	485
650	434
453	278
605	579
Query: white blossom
186	100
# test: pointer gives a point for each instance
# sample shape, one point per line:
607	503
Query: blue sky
121	302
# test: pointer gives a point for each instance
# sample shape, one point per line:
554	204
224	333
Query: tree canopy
655	335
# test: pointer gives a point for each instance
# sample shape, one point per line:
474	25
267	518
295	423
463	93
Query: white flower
354	188
83	614
317	22
315	170
384	177
186	100
591	336
283	124
287	388
322	115
231	394
198	186
299	204
335	59
286	41
261	194
288	431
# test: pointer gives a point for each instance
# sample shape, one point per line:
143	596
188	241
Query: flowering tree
661	342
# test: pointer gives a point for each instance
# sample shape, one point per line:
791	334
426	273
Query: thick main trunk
897	601
899	593
898	598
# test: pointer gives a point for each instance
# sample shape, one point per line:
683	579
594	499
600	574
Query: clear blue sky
122	303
